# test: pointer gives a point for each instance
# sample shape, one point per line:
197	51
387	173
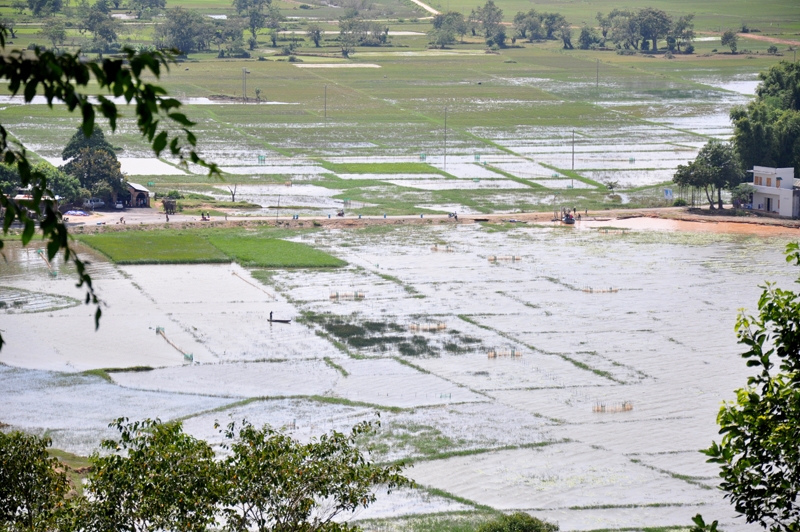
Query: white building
774	191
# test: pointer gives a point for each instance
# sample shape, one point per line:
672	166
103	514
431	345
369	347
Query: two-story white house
774	191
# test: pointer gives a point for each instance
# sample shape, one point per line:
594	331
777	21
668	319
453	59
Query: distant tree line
642	30
766	133
185	30
355	30
487	20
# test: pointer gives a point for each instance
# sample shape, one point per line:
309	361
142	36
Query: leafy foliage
156	477
731	40
78	141
32	485
64	78
767	131
758	455
518	522
166	480
184	30
275	483
446	26
716	167
97	169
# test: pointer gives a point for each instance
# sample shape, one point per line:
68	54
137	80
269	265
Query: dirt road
670	219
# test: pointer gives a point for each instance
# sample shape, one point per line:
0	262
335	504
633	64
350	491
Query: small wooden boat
280	321
568	219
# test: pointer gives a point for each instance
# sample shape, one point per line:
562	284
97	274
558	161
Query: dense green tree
780	86
184	30
654	24
731	40
498	37
44	7
587	38
314	32
683	31
54	31
9	179
32	485
767	130
147	8
230	34
97	20
155	477
78	141
490	17
98	171
624	28
553	24
758	454
61	184
716	167
517	522
253	11
604	23
446	26
529	25
275	483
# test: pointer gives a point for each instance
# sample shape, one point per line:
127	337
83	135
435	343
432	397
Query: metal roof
137	187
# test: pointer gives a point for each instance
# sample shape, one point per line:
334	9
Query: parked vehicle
119	205
94	203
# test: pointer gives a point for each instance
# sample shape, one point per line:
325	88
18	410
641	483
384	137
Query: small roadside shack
140	196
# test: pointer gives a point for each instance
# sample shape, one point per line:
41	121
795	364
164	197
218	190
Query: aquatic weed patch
371	336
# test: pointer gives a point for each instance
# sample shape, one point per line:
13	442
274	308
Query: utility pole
244	84
445	139
573	149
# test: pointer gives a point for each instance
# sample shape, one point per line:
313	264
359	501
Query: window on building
769	181
757	180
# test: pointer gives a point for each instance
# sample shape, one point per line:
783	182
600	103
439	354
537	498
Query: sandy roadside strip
426	7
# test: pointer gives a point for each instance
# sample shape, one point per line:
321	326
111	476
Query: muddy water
643	317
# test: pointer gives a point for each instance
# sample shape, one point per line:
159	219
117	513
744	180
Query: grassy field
155	247
208	246
272	253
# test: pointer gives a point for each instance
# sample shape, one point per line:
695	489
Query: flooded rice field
580	369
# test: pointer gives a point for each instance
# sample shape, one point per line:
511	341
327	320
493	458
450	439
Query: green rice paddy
193	247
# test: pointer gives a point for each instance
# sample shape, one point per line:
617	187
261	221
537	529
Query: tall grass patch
272	253
156	247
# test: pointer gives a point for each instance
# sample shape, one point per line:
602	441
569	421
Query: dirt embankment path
768	39
667	218
426	7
